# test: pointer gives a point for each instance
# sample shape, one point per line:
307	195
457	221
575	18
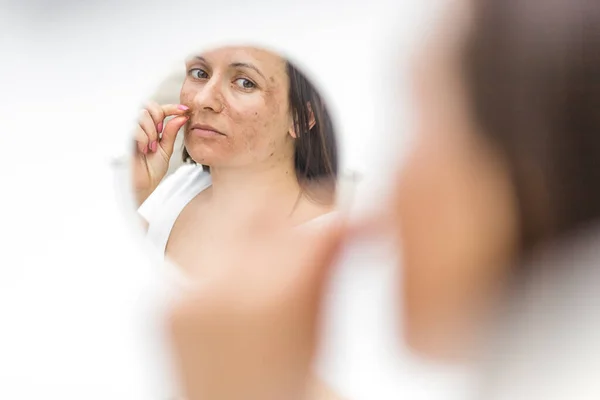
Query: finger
148	126
167	141
174	109
157	114
160	112
141	140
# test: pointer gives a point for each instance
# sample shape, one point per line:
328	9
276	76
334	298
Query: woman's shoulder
326	217
186	180
316	215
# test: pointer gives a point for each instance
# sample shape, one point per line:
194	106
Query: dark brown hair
315	156
532	72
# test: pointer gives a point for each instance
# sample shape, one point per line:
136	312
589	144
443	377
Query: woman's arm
249	331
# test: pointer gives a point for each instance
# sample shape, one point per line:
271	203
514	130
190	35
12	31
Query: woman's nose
210	97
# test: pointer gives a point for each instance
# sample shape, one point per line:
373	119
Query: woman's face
242	93
454	208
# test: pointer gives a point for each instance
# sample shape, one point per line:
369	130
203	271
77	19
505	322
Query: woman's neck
235	189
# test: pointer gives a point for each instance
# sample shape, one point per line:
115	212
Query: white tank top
164	205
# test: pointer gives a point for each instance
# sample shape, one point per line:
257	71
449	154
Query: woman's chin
203	156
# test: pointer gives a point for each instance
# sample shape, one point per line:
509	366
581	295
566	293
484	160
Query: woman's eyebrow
235	65
199	58
246	65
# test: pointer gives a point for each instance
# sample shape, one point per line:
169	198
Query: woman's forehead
264	59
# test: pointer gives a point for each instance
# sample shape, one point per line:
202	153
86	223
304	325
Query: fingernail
182	107
159	127
153	146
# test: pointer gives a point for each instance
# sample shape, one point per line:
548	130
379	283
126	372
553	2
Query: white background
77	291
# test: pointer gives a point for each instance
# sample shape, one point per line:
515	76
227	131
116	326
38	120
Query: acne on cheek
185	98
251	139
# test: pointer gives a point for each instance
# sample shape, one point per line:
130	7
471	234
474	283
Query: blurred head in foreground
505	160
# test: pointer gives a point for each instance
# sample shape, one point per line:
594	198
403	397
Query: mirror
236	129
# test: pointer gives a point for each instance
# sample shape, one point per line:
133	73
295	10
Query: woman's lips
205	131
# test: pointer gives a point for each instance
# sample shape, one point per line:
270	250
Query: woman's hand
154	141
249	330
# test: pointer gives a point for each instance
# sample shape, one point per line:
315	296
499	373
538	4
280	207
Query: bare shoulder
318	199
308	209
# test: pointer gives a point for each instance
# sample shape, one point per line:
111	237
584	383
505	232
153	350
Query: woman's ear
311	116
311	121
293	131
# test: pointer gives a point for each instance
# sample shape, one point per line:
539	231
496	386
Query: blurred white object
547	346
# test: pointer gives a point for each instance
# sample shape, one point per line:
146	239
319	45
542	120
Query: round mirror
234	131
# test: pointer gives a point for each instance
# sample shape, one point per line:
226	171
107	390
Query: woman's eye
245	83
198	73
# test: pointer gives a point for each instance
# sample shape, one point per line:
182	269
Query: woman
508	166
256	136
504	167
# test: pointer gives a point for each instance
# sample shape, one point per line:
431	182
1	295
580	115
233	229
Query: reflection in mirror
236	130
